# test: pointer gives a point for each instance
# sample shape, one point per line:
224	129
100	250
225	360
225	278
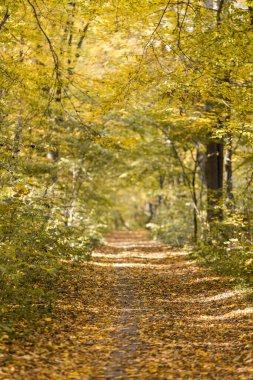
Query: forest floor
137	310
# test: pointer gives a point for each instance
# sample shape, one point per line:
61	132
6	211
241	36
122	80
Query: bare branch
5	19
161	18
85	29
53	52
182	24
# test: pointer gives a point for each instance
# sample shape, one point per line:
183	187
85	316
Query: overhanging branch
5	19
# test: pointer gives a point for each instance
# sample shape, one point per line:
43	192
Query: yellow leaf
48	319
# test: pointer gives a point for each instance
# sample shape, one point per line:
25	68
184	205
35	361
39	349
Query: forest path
139	310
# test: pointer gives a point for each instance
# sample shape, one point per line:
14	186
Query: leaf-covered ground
138	310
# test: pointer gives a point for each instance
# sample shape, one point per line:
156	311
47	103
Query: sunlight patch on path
231	314
148	265
139	254
132	254
200	280
225	295
203	299
132	246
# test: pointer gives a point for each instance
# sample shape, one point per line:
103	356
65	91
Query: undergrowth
31	263
233	261
228	250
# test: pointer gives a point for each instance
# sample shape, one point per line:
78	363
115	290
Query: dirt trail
140	310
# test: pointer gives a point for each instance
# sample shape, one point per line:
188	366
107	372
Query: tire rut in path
126	334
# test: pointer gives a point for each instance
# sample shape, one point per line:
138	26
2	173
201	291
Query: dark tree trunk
195	215
161	185
229	174
251	15
194	197
214	180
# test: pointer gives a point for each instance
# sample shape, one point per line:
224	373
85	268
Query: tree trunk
194	197
214	181
229	174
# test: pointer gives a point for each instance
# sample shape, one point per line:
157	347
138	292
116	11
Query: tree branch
53	52
5	19
85	29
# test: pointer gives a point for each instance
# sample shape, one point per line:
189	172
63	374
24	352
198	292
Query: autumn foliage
121	115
